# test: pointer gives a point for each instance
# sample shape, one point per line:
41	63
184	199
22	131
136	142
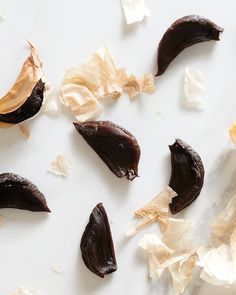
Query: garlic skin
135	10
60	166
84	86
174	252
193	90
157	210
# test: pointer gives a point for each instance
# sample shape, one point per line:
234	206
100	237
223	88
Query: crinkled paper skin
135	10
60	166
219	265
178	257
156	210
30	74
83	86
193	90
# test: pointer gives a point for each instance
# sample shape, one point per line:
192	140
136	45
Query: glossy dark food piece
117	147
19	193
30	108
185	32
187	175
96	244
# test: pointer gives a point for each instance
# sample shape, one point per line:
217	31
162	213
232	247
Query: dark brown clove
96	244
19	193
184	32
117	147
187	175
30	108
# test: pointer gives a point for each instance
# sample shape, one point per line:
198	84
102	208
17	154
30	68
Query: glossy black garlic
96	244
183	33
30	108
187	175
19	193
117	147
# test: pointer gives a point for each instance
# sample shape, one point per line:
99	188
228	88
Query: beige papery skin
83	86
60	166
175	252
218	262
157	210
30	74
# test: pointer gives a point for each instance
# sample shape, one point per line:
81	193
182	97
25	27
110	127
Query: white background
66	33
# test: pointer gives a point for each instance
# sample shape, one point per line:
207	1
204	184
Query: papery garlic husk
156	210
83	86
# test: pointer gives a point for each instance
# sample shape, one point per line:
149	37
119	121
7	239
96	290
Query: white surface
66	33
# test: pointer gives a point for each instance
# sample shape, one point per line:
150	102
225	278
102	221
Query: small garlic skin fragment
117	147
135	10
97	245
232	132
23	291
51	102
60	166
28	109
187	176
193	90
183	33
57	269
19	193
155	210
24	130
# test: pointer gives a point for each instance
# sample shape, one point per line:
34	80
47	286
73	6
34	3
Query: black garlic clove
97	245
28	109
19	193
183	33
117	147
187	175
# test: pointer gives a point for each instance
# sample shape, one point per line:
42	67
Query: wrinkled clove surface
184	32
187	175
19	193
117	147
30	108
96	244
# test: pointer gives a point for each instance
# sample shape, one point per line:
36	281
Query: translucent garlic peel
181	273
219	265
232	132
225	222
24	130
135	10
193	90
179	235
60	166
51	102
83	86
155	210
30	74
157	252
